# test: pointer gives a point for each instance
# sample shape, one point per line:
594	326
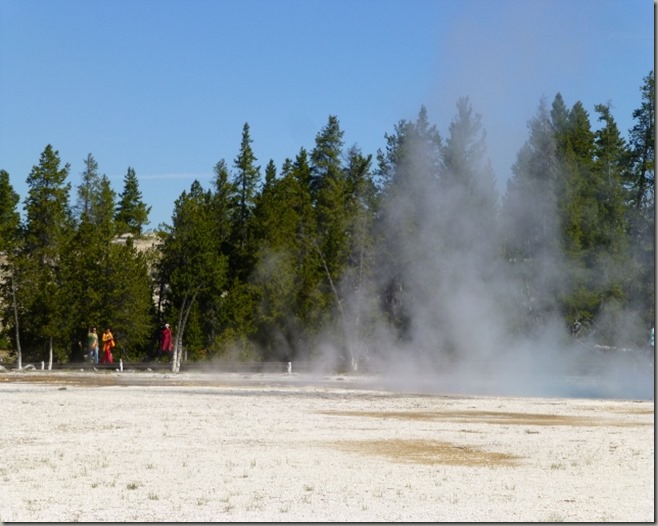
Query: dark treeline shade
337	247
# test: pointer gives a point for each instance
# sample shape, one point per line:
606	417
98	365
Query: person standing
108	345
92	346
166	342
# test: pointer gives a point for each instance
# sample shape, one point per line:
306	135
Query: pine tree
608	258
408	219
218	320
10	219
127	291
131	213
530	226
610	158
465	250
239	196
575	147
639	182
89	279
48	216
224	204
357	284
276	221
48	226
308	307
105	209
88	191
245	183
469	198
10	239
326	156
640	178
192	264
328	191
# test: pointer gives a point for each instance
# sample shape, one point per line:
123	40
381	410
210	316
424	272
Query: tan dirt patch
428	452
490	417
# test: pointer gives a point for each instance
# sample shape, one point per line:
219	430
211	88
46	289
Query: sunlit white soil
130	446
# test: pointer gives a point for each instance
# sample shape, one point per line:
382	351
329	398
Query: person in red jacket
166	342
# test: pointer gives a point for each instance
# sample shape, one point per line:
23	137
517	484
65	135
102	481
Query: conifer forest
357	259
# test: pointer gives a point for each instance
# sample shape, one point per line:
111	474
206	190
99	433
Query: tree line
337	249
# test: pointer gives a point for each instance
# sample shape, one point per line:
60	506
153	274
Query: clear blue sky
165	86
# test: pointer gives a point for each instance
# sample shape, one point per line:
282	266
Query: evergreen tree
276	222
48	225
559	120
126	290
308	306
192	264
357	283
104	210
217	321
270	175
580	213
240	299
245	184
640	177
10	219
465	241
469	198
530	226
608	257
610	158
90	279
328	190
10	239
639	182
224	203
88	191
131	213
530	205
48	217
326	156
406	226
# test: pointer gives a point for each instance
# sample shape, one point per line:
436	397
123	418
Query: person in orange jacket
108	345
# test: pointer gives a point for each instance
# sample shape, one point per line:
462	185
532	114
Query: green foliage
639	183
192	264
332	251
245	185
569	172
9	216
39	279
131	213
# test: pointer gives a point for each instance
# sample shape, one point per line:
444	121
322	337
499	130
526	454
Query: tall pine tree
131	212
48	226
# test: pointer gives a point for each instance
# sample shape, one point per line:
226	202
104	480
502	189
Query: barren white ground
144	447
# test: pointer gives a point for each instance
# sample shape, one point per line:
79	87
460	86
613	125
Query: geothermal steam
459	301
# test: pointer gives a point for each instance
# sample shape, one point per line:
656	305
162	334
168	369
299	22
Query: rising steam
460	305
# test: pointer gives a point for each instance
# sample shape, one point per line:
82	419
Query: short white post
289	367
121	364
43	365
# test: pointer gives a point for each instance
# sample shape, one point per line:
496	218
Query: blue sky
165	86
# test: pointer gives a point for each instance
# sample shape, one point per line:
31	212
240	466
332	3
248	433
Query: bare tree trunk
19	352
174	359
186	307
179	346
340	310
50	354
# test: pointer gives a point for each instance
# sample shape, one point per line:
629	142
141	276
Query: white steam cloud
460	306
